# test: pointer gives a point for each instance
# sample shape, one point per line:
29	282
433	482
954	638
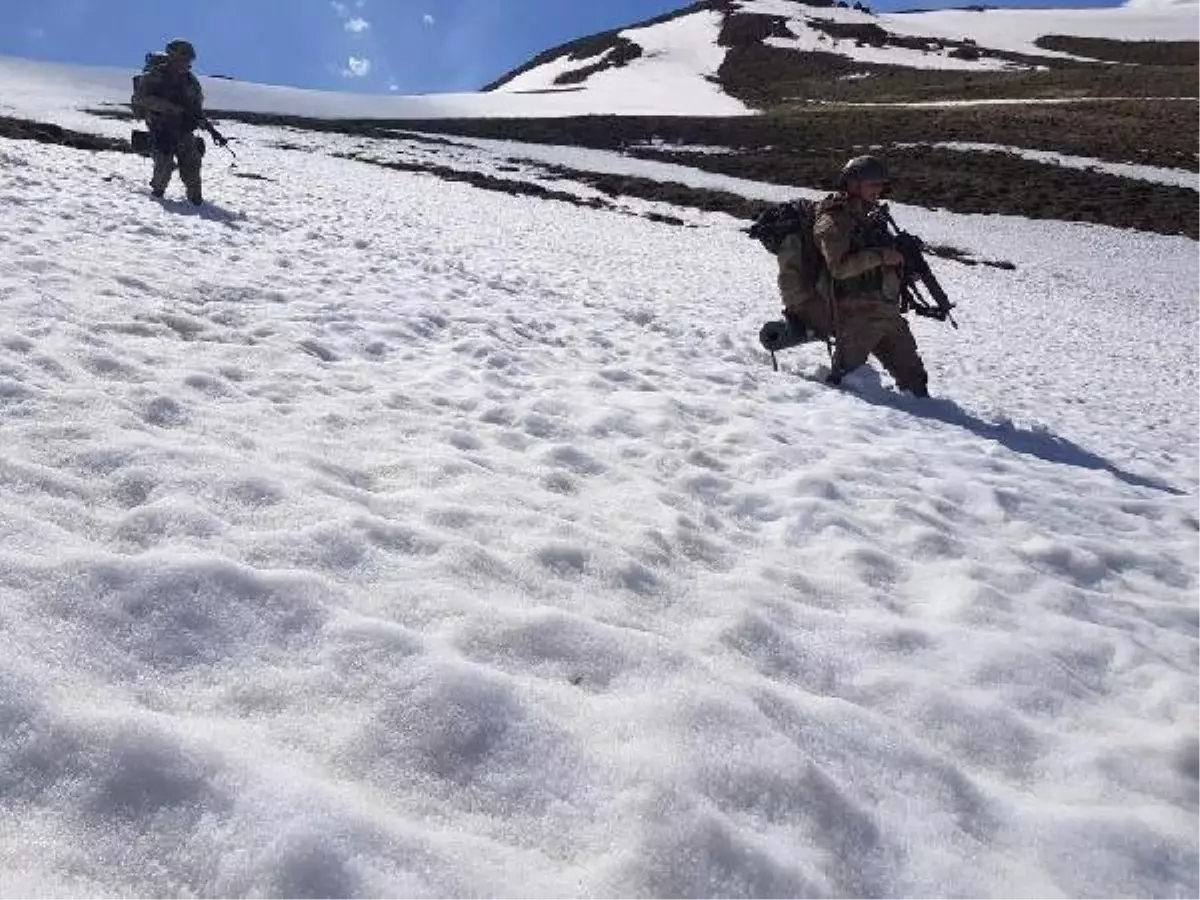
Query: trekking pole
833	339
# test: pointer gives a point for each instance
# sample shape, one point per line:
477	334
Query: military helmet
863	168
180	47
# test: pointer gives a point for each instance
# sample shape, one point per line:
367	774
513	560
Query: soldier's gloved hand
892	257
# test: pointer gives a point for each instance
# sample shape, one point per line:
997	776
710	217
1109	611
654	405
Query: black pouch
140	141
784	333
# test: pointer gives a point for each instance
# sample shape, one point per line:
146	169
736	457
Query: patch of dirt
47	133
516	188
806	145
1141	53
617	186
622	52
871	34
765	77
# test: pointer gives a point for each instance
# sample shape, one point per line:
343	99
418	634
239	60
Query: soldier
169	98
860	284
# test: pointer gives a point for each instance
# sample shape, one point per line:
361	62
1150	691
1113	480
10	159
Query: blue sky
412	46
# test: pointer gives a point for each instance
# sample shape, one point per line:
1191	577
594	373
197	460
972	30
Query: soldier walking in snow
862	279
168	96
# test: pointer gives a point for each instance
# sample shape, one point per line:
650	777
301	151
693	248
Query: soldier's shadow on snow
1044	445
210	212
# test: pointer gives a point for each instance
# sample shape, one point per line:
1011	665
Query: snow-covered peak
682	62
671	64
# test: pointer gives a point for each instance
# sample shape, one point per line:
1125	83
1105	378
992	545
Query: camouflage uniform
173	105
865	295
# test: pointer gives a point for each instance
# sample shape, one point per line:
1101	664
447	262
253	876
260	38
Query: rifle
219	139
916	269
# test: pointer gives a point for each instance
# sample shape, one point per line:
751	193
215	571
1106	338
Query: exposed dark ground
806	146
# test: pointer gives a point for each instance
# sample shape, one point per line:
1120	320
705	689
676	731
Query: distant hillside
1086	115
768	52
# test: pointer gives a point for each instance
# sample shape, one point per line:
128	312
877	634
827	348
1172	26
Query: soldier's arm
833	240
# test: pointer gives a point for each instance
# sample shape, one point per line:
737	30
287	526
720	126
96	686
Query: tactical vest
861	238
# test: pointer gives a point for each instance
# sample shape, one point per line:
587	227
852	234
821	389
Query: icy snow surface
368	534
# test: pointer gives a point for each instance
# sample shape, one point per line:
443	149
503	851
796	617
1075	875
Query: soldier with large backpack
169	98
843	278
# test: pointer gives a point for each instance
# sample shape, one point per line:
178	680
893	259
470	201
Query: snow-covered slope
1017	30
365	534
676	71
806	34
683	55
672	67
681	92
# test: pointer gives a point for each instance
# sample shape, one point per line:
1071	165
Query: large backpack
140	139
772	228
152	60
776	223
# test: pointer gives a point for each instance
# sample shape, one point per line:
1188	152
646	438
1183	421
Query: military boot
163	167
190	176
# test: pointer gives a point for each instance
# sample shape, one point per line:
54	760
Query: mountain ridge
776	51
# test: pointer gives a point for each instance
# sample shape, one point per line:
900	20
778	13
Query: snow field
369	534
670	63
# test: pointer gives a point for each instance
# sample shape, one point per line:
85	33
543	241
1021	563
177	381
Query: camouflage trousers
167	148
870	325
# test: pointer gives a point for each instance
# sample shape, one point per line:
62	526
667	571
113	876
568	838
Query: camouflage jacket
854	259
168	99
